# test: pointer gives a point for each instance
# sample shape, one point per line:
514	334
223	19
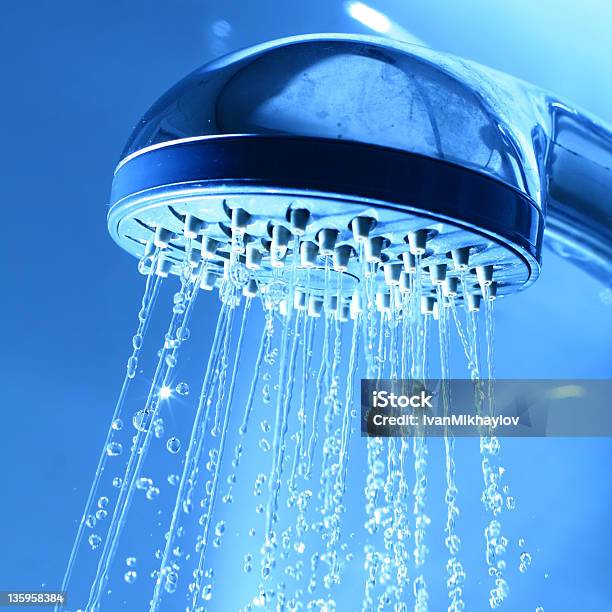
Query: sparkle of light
165	392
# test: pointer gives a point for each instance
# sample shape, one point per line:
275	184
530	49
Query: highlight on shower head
381	156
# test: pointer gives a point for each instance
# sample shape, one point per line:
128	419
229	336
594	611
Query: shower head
366	149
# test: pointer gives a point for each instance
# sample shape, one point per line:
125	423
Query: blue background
76	77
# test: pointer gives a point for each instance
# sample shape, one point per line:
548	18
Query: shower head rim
224	167
128	178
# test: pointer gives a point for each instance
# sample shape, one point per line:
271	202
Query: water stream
278	421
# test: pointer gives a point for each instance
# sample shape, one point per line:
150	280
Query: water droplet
158	428
117	424
132	366
137	342
152	492
183	333
220	529
265	393
171	580
207	592
130	561
94	541
143	483
182	388
90	521
275	292
169	343
173	479
173	445
264	445
114	449
265	426
103	502
141	420
239	274
101	514
130	576
170	360
525	562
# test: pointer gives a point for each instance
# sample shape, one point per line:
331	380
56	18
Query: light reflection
165	392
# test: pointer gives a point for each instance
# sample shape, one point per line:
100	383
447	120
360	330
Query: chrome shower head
364	148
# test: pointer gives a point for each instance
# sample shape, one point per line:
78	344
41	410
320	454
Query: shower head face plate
138	227
335	182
